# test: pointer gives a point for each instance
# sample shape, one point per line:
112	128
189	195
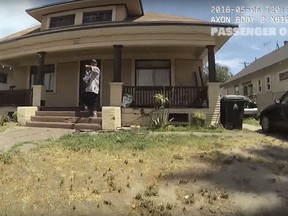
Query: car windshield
284	98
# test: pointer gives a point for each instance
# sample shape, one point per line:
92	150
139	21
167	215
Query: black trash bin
232	111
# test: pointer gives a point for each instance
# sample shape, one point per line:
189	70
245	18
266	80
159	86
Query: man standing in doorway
91	78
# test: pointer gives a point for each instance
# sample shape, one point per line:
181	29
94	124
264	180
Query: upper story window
283	76
62	21
97	16
3	78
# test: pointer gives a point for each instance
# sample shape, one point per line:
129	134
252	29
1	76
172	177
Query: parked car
250	108
275	116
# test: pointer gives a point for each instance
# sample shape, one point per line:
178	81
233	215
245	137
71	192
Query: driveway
28	135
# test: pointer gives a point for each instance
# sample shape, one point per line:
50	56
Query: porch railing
19	97
179	96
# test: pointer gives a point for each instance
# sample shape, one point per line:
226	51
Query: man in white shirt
91	79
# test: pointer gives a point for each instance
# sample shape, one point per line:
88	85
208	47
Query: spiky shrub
199	119
160	116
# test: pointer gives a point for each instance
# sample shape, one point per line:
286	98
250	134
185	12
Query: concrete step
51	125
66	119
60	109
87	126
66	113
78	126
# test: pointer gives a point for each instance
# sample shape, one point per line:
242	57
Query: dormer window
97	16
60	21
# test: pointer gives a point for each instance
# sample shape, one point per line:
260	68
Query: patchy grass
251	121
140	174
130	141
192	128
7	125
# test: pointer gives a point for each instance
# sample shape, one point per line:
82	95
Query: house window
259	85
3	78
247	88
153	73
268	83
236	90
97	16
62	21
49	77
283	76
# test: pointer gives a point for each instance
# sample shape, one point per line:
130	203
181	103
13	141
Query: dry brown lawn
132	174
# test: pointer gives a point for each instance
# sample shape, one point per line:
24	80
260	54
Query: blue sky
233	54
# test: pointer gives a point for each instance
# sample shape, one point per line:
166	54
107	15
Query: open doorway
82	84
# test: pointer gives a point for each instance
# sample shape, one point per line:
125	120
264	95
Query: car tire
265	124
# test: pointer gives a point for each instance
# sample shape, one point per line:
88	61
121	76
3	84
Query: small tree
223	73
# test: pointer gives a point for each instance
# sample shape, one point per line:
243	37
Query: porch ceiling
108	53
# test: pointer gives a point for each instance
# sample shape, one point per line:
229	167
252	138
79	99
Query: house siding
278	88
67	90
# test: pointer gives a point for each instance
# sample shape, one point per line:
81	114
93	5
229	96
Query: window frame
260	85
61	16
266	83
138	60
238	92
97	11
282	72
247	85
45	72
5	78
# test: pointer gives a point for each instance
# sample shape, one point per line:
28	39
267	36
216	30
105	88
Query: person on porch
91	78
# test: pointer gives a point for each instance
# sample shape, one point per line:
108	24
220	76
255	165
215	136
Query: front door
82	84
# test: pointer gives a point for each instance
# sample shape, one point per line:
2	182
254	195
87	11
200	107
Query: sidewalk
28	135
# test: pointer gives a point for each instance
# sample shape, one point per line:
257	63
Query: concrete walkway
252	127
28	135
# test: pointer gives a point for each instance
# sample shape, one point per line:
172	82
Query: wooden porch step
66	119
66	113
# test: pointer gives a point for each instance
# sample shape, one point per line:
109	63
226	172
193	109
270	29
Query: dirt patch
242	177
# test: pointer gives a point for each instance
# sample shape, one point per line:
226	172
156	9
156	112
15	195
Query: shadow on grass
257	178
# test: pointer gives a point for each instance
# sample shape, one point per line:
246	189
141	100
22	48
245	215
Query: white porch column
214	102
39	95
116	89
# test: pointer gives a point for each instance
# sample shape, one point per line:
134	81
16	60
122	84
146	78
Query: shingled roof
261	63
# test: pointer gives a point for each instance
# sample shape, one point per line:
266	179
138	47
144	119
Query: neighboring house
266	77
138	53
6	74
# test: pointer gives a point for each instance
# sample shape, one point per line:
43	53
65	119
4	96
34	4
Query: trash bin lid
234	97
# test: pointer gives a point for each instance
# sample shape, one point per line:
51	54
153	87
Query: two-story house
138	53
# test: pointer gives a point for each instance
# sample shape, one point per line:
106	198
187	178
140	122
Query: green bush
199	119
14	117
3	120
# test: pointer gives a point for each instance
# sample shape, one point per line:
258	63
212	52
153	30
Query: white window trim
266	84
278	75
